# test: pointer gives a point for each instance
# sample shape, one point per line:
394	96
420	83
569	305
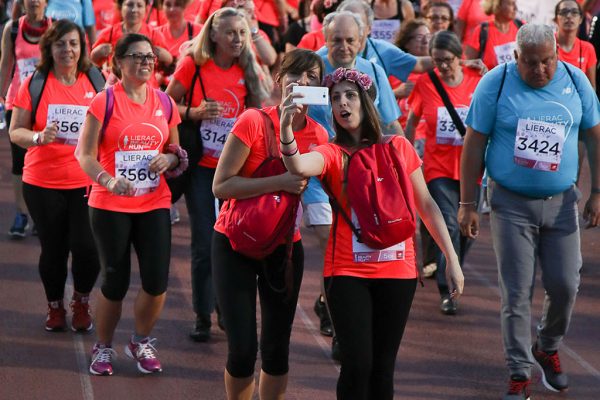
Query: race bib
214	134
505	52
26	67
385	29
363	253
445	130
133	166
69	119
539	144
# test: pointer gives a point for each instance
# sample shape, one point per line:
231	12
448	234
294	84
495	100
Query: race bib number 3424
539	144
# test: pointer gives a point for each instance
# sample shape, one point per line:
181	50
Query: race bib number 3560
133	166
539	144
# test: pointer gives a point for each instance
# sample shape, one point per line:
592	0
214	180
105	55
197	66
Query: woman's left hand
475	64
160	163
454	276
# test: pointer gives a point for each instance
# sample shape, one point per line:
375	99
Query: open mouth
345	114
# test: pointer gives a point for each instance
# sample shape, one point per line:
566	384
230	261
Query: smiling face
418	45
138	62
229	36
346	106
66	50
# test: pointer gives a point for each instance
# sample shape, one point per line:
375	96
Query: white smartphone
313	95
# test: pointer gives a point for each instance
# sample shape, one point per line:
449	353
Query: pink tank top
27	56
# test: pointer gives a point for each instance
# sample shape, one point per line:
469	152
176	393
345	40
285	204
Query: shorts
317	214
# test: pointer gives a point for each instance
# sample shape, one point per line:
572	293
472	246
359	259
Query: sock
135	338
56	304
81	297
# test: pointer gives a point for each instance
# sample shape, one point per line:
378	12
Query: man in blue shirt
524	121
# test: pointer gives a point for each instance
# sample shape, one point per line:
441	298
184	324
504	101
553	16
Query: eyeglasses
421	37
443	18
566	11
139	58
446	60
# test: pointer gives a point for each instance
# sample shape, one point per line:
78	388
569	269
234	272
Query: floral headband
346	74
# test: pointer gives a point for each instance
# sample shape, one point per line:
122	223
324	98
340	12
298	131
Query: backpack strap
165	101
518	23
502	82
108	110
483	37
14	32
36	88
96	79
460	126
190	30
269	135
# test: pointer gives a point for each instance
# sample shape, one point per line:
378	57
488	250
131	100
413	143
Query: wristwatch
36	139
254	32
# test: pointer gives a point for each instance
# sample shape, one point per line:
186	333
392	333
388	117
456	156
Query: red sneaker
56	319
82	318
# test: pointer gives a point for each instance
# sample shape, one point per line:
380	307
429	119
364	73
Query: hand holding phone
311	95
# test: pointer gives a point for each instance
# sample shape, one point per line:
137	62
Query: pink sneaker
145	354
102	360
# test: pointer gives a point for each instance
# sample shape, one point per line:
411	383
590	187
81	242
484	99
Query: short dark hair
446	40
123	45
441	4
299	60
56	31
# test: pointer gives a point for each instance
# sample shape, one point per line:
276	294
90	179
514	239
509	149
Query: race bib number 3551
539	144
133	166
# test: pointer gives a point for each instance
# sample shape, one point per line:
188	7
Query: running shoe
552	376
518	388
145	354
19	226
82	318
174	214
325	326
102	357
448	305
56	318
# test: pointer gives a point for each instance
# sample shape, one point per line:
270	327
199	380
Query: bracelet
99	175
467	203
287	143
595	190
108	183
256	38
183	160
291	153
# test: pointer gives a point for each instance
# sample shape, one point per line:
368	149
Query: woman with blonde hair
217	79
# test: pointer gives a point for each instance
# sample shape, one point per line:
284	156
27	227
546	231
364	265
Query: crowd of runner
116	110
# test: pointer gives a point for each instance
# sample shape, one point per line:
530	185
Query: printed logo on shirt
88	95
241	82
140	136
567	90
158	113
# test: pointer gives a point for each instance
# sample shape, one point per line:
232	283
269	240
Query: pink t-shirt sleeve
23	99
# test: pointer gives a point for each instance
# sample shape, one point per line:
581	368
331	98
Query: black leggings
150	234
17	152
369	316
235	281
61	219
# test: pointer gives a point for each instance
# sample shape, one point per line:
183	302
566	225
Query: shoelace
517	387
104	355
146	350
79	307
554	361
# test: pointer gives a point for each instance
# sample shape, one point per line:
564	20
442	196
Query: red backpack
257	225
380	193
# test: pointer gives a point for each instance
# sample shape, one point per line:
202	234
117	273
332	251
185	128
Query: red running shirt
227	86
134	131
344	263
175	46
499	46
443	143
54	165
582	55
249	128
472	14
312	41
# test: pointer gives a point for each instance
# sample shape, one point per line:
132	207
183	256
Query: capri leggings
369	316
61	219
17	152
236	279
150	235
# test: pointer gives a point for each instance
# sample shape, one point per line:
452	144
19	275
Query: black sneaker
448	306
19	226
335	350
552	376
320	308
201	332
518	388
